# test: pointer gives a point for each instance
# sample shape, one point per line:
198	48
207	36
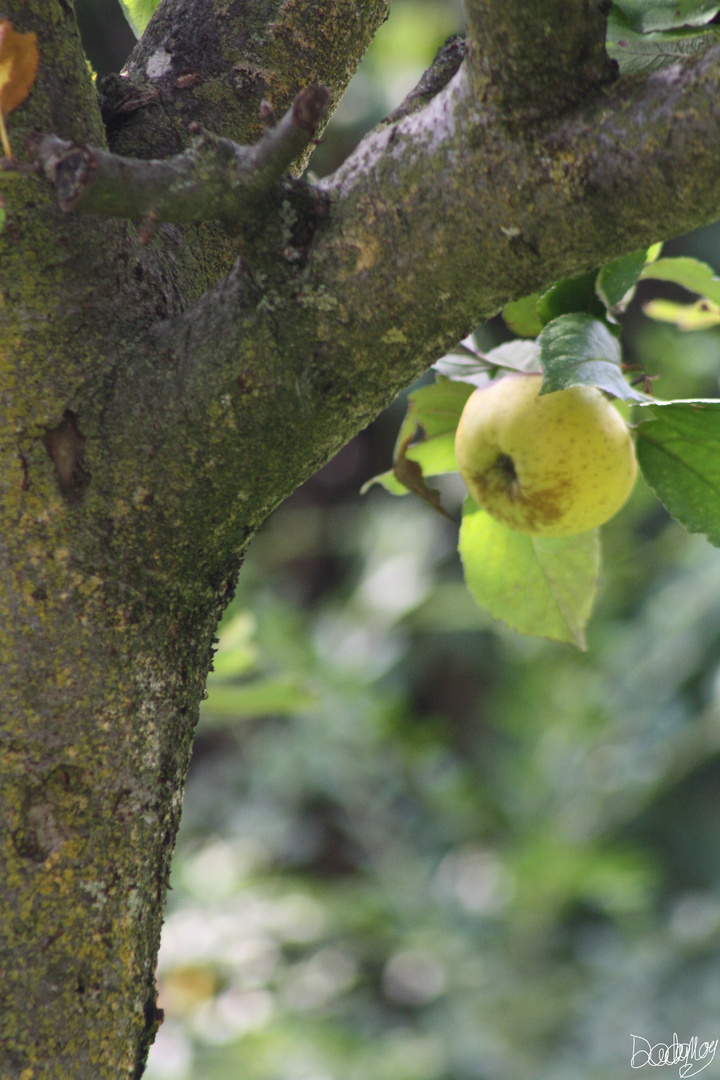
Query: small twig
214	179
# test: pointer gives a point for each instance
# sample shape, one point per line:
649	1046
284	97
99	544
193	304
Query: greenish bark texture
158	400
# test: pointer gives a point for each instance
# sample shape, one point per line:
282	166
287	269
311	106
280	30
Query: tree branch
306	350
536	60
213	180
213	63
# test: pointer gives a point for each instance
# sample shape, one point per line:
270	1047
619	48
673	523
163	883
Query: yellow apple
547	466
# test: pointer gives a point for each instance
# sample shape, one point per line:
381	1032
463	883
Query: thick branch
213	180
425	238
535	60
213	63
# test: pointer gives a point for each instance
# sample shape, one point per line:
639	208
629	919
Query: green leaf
389	481
647	15
617	278
570	295
693	275
679	454
636	52
520	355
138	13
434	456
236	653
278	696
701	315
462	368
516	356
437	408
578	350
521	316
538	585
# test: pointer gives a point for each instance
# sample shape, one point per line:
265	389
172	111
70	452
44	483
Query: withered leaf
19	59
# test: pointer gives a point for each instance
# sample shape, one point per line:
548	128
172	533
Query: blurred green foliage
449	853
472	855
415	845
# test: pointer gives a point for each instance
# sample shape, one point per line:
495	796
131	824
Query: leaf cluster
572	335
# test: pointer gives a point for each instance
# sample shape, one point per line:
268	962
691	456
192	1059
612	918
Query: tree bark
160	399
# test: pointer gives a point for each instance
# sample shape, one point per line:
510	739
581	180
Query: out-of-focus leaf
437	408
701	315
679	454
521	316
138	13
516	356
278	696
540	586
578	350
647	15
636	52
434	457
616	279
570	295
693	275
512	355
236	653
463	368
410	472
388	480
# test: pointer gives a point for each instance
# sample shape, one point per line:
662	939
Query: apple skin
554	465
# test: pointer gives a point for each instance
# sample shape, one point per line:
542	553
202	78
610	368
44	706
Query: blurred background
416	846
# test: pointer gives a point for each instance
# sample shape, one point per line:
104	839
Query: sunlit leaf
647	15
138	13
520	355
437	408
616	279
540	586
516	356
521	316
698	316
388	480
236	652
578	350
278	696
463	368
433	456
692	274
433	412
679	454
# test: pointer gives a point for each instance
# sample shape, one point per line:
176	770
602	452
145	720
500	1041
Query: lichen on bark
159	400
